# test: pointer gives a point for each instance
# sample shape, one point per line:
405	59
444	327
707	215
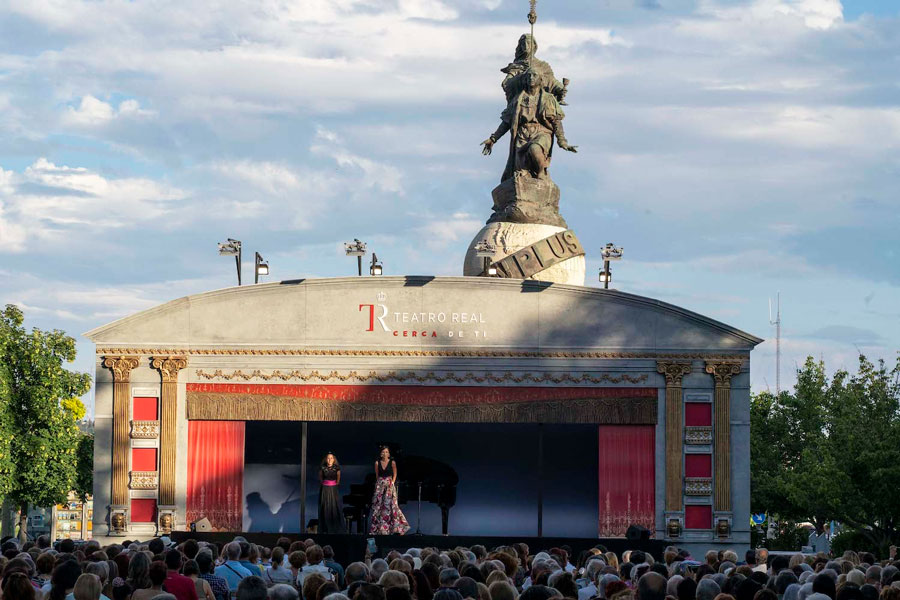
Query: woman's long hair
139	572
64	577
337	465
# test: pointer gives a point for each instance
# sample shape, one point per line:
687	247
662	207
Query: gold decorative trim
144	480
673	371
238	407
723	370
413	376
415	353
168	366
698	435
697	486
121	366
144	430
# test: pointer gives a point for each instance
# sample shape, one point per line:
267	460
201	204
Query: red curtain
627	478
215	485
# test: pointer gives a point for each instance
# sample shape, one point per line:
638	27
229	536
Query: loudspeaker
637	533
201	525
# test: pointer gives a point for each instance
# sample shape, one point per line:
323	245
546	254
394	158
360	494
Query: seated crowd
306	571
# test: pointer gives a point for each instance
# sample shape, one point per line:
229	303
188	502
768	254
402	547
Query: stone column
722	371
168	367
121	367
674	372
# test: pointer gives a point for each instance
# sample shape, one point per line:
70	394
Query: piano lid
428	471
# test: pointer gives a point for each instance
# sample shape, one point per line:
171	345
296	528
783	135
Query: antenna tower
777	323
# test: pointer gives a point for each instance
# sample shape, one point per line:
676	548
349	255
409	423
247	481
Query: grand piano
436	481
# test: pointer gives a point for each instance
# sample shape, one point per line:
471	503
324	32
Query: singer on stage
331	517
386	515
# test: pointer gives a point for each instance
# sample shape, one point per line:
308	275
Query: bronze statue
534	117
524	58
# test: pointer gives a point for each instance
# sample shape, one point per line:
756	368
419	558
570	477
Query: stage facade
565	410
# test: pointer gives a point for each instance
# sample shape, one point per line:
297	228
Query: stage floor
352	547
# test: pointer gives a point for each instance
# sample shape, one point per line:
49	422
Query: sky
735	149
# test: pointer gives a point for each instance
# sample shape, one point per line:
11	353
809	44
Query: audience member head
283	591
87	587
651	586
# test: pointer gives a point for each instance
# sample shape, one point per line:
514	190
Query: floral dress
386	515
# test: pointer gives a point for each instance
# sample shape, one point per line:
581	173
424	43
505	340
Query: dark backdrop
496	464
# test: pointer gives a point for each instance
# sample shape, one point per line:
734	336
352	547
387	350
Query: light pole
609	253
375	269
232	248
485	250
358	249
261	268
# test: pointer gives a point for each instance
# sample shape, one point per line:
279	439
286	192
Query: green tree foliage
40	412
84	466
830	449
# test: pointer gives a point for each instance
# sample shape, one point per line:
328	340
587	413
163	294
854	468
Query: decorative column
722	371
121	367
674	372
168	367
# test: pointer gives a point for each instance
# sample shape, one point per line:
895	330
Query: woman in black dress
331	515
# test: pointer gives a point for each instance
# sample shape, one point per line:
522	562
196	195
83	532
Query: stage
352	547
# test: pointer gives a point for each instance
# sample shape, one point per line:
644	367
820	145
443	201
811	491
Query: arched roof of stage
423	313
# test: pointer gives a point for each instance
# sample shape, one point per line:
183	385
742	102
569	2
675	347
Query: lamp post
232	248
375	269
261	268
358	249
609	253
485	250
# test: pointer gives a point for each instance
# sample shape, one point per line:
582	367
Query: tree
84	477
829	449
40	413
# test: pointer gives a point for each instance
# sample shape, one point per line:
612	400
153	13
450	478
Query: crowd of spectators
303	570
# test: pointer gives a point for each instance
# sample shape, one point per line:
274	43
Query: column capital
673	370
168	366
121	366
723	370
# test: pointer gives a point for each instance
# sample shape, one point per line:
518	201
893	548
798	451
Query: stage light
262	267
485	250
232	248
358	249
609	253
375	269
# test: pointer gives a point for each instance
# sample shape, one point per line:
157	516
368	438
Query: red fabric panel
143	510
697	414
143	459
416	395
698	465
698	516
215	486
145	409
627	478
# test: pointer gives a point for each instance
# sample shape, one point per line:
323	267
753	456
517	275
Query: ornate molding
697	486
414	353
673	371
144	430
144	480
468	377
698	435
168	366
723	370
121	366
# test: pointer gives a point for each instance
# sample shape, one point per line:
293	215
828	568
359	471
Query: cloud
93	112
45	201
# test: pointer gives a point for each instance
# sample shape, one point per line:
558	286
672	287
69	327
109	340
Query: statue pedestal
525	199
507	238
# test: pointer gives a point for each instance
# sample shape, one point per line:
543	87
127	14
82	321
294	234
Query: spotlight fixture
358	249
375	269
232	248
262	268
609	253
485	250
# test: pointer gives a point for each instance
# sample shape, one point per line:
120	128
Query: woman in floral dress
386	515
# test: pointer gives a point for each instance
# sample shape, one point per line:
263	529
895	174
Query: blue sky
734	148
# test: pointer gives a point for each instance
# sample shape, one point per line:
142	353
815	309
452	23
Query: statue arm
499	133
561	140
